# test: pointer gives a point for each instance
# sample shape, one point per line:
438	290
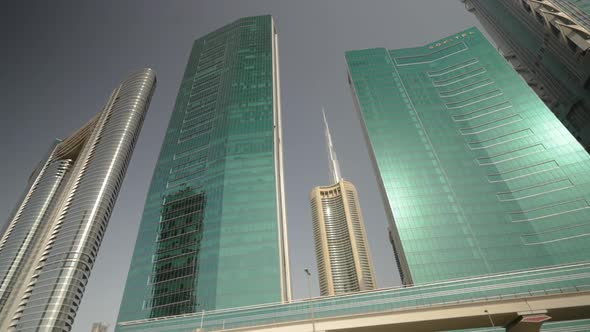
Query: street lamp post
202	316
490	317
310	302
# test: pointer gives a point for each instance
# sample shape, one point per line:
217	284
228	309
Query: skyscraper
342	253
547	42
477	175
213	231
52	239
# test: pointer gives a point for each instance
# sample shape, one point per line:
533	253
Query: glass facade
213	232
479	292
478	175
547	42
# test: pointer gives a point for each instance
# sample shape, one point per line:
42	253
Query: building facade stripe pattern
548	43
51	243
343	258
213	230
342	253
478	176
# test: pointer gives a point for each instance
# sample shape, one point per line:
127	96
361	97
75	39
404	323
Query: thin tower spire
334	166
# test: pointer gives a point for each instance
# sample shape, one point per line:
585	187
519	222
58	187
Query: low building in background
98	327
342	252
53	236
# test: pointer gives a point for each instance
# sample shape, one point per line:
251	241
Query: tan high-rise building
343	257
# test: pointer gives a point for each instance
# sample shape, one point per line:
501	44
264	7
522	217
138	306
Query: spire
334	166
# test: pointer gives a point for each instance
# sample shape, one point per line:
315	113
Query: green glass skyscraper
477	174
213	231
547	42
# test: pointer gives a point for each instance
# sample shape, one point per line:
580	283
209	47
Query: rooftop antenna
334	166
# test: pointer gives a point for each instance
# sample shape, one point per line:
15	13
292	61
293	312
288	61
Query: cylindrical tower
53	238
342	254
343	257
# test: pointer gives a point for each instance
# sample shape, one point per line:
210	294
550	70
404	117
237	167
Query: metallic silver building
547	42
343	257
52	238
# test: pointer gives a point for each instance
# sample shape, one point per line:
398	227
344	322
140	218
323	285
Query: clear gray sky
59	61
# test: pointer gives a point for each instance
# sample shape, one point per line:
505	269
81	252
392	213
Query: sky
59	61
